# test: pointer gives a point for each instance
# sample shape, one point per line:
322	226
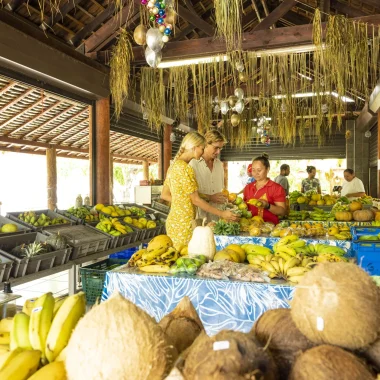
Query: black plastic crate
25	266
85	240
161	207
49	213
5	268
75	218
22	229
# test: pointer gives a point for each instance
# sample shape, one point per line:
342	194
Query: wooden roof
32	120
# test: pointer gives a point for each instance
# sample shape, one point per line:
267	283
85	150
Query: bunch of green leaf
226	228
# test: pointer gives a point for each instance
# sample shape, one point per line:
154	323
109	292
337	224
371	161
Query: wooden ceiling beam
77	133
16	100
372	3
127	157
346	9
8	87
13	5
296	19
195	20
276	14
85	121
63	11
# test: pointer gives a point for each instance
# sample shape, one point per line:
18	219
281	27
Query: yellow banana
153	254
268	258
297	244
296	271
284	256
257	249
3	349
62	356
168	254
155	269
7	357
28	306
290	251
20	332
306	261
272	275
290	264
40	322
57	304
276	265
5	338
6	324
22	366
268	267
295	279
121	229
281	263
254	260
51	371
63	325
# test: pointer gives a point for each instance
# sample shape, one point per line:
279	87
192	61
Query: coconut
228	355
182	325
276	330
118	340
372	354
328	362
338	304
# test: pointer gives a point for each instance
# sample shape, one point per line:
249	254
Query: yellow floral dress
181	182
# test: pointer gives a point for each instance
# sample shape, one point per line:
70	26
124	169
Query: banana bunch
158	260
113	226
253	249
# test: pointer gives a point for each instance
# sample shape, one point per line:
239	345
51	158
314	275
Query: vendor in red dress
271	194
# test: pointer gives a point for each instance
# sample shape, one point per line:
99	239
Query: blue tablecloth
220	304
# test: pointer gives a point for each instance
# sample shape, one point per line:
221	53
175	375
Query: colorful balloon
167	31
160	21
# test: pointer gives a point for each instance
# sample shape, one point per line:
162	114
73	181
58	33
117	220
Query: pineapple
33	249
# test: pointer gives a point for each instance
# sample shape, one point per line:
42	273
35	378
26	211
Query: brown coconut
118	340
276	331
338	304
329	363
182	325
372	354
243	359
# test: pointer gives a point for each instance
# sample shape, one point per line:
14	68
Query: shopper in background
270	194
281	179
209	173
353	187
311	183
249	173
181	189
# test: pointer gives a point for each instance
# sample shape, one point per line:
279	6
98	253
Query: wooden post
111	178
159	160
378	155
103	151
90	154
167	148
225	167
145	164
51	162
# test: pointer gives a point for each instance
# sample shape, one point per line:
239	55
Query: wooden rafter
8	87
346	9
195	20
254	6
77	133
55	16
16	100
372	3
85	121
13	5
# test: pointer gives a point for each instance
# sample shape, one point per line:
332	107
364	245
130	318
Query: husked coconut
182	325
329	363
118	340
372	354
228	355
337	303
276	330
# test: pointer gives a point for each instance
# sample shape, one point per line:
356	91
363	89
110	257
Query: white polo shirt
355	186
209	182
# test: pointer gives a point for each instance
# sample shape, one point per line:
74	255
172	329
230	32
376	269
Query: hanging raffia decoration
228	22
178	91
120	64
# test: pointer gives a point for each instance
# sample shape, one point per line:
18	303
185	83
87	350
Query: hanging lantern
154	39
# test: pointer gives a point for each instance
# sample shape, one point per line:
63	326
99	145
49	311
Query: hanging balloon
153	58
239	106
239	66
216	109
165	38
139	35
171	16
243	77
154	39
232	100
224	107
239	93
235	120
263	140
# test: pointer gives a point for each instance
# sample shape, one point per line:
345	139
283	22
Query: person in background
209	173
281	179
181	189
271	194
353	187
311	183
250	178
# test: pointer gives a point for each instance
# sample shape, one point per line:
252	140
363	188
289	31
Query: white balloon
153	58
165	38
239	93
224	107
239	106
154	39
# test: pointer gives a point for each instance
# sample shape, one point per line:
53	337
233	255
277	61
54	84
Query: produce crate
22	229
128	205
5	268
93	277
25	266
73	217
126	254
160	207
367	251
85	240
51	214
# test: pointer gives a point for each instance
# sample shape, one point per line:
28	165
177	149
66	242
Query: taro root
337	303
276	331
182	325
118	340
228	355
327	363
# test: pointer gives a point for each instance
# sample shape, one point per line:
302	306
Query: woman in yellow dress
181	189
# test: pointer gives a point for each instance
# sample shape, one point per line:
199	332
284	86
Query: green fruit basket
21	228
93	277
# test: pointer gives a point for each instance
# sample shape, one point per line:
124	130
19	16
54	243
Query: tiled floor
57	284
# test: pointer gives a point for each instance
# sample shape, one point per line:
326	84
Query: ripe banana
284	256
7	357
55	370
40	322
155	268
63	324
5	338
254	260
22	366
297	244
20	332
296	271
290	264
286	240
251	249
62	356
290	251
295	279
150	255
6	324
268	267
57	304
281	263
276	265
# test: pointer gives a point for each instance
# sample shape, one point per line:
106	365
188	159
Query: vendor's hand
229	216
218	198
264	203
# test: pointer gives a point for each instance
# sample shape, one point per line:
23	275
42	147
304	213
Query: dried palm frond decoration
178	92
120	64
228	22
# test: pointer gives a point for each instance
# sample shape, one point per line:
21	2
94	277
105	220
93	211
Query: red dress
272	192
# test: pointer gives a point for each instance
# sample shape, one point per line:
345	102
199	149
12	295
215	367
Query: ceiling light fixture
345	99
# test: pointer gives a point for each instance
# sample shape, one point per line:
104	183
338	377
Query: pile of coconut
332	331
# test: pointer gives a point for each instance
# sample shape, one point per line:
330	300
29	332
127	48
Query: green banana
20	332
297	244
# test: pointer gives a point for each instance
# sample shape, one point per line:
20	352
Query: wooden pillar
225	167
91	157
378	155
111	178
167	148
51	162
159	160
102	153
145	164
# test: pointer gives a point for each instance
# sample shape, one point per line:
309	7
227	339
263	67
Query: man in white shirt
209	173
353	187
